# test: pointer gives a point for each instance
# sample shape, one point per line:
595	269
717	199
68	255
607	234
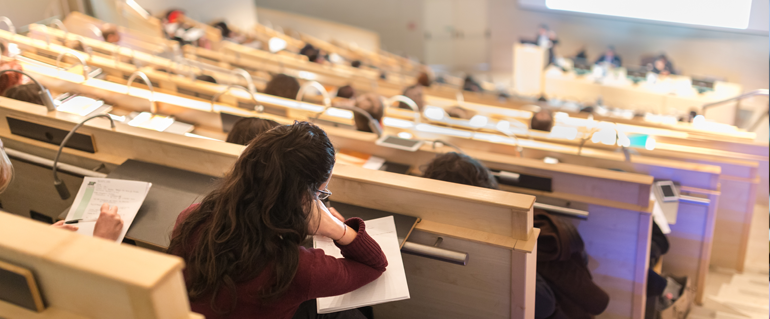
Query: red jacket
318	275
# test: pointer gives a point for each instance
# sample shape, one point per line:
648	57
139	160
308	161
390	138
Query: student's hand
323	222
336	214
109	225
61	225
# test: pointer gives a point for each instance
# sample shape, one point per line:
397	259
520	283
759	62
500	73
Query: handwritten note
128	196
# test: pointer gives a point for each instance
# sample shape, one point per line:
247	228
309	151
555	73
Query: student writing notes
241	244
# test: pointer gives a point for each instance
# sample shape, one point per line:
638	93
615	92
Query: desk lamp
7	21
153	107
257	107
314	84
61	188
249	80
45	95
59	25
77	56
400	98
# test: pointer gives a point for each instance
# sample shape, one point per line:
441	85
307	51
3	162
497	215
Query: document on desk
128	196
391	286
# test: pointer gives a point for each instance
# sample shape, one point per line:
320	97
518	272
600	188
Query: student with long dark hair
241	244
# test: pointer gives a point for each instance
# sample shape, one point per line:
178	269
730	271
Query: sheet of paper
128	196
391	286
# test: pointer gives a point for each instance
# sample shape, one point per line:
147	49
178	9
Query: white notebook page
391	286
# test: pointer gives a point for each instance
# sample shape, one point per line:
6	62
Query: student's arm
364	262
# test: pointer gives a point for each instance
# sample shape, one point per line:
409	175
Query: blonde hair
6	171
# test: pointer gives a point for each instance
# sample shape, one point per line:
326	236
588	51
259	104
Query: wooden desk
85	277
501	226
671	94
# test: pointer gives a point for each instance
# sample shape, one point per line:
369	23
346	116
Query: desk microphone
45	95
58	183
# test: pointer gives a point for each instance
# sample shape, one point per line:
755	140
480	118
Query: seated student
460	168
424	79
662	65
611	57
311	52
414	92
371	104
549	301
207	78
246	129
469	84
283	85
108	225
346	92
542	121
29	92
110	33
242	243
9	79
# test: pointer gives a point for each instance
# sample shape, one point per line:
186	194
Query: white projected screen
733	14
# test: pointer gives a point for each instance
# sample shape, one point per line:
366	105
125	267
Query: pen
75	221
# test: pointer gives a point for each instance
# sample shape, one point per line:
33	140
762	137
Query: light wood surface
91	277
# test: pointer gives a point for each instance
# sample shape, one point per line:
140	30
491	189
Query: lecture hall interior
339	159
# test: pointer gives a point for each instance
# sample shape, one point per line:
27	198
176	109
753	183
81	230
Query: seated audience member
470	84
283	85
662	65
242	244
108	225
346	92
246	129
558	275
542	121
460	168
311	52
371	104
355	64
424	79
29	92
415	93
611	57
207	78
110	33
9	79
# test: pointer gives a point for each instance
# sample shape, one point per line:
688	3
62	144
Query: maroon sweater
318	275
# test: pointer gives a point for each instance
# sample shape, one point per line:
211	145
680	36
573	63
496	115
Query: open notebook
391	286
128	196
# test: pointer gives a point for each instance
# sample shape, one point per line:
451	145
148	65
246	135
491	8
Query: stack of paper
128	196
391	286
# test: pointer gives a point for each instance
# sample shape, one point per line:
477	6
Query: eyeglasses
324	194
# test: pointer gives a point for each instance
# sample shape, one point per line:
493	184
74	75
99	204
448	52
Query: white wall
739	57
23	12
319	28
391	19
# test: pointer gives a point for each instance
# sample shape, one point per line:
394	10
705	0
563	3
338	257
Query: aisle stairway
739	296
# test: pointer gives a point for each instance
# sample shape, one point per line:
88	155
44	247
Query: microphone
45	95
61	188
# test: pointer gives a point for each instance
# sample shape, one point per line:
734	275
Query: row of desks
525	153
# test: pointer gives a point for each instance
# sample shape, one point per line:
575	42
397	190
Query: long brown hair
257	217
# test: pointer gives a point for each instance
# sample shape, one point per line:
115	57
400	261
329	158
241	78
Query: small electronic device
667	191
636	75
703	84
399	143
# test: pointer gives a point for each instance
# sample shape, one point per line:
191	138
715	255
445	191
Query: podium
529	61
